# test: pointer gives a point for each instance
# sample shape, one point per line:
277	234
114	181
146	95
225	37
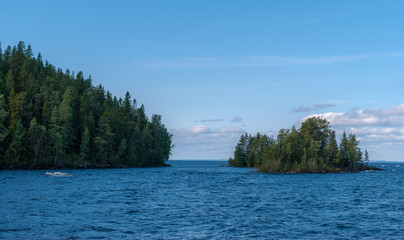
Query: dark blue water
200	200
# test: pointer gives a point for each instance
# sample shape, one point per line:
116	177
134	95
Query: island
311	149
51	118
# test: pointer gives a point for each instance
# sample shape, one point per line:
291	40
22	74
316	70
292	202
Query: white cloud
198	129
366	130
202	142
287	61
392	116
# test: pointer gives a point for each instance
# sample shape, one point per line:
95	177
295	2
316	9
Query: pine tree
355	154
17	146
343	153
3	131
238	157
66	120
123	151
332	151
56	135
104	140
10	82
366	157
85	146
34	140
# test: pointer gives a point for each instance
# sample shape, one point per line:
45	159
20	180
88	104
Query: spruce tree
366	157
3	131
16	145
85	147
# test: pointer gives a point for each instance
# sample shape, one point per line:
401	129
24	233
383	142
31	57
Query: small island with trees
311	149
55	119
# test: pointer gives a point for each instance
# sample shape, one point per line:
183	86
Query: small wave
15	229
344	226
6	178
101	229
71	237
132	211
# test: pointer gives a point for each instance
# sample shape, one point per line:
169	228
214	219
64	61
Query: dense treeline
50	118
312	148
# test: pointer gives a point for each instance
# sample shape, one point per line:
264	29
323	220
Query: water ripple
200	200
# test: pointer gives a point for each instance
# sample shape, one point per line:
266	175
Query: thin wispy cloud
397	54
302	109
250	61
210	120
236	119
232	86
398	86
321	106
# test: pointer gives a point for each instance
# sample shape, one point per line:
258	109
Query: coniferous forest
310	149
52	119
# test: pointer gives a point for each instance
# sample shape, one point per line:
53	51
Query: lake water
200	200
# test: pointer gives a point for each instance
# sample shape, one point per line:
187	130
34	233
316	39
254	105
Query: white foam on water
58	174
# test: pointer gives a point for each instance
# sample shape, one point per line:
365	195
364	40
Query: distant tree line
50	118
312	148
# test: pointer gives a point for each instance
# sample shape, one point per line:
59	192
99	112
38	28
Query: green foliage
3	129
85	147
49	118
34	140
366	160
312	148
16	145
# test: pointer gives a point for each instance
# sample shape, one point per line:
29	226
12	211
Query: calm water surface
200	200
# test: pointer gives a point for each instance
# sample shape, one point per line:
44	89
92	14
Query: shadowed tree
85	147
35	138
16	145
3	132
51	118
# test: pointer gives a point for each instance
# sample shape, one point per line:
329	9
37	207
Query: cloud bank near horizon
377	117
205	142
380	130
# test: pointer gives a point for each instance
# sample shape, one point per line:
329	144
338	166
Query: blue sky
217	69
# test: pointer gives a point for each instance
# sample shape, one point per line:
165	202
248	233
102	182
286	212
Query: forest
311	149
55	119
